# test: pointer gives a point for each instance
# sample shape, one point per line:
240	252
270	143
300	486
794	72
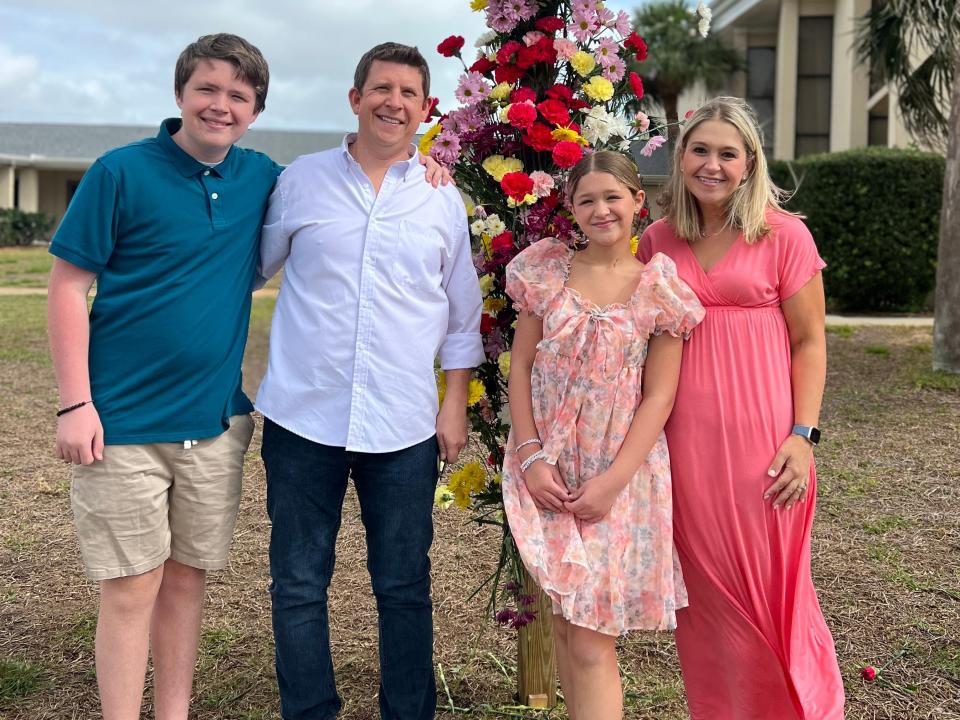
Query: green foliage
22	228
18	678
679	56
875	214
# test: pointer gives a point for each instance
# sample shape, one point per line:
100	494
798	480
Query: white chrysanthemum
477	227
705	14
596	126
618	125
485	39
495	225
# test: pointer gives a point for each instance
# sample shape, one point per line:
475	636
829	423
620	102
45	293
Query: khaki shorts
143	504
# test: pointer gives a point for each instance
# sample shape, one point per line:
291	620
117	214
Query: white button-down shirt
375	286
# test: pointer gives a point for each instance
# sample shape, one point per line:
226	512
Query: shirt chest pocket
417	258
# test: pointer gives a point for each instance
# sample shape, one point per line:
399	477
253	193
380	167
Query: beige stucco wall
7	177
53	191
850	85
29	193
785	92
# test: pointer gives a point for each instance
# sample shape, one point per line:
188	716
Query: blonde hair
747	208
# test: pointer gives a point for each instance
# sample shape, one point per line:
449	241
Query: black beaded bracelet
64	411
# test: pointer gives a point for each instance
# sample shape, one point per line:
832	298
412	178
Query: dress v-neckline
719	260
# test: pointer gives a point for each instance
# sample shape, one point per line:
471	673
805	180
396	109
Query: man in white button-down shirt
379	281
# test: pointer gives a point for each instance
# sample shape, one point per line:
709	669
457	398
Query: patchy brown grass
886	559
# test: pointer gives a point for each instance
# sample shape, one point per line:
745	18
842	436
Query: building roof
77	146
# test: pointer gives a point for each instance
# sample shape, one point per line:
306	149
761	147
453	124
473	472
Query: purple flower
446	148
606	51
614	70
472	88
506	617
652	144
583	23
622	23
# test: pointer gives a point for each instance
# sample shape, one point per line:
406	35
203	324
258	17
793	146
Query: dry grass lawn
886	559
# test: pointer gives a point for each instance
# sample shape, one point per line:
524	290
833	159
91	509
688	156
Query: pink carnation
542	183
642	122
566	49
532	37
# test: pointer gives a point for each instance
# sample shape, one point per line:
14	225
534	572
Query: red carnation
451	46
517	185
527	56
644	213
554	112
482	66
507	51
868	673
551	200
522	115
549	24
539	138
637	84
522	94
561	93
508	74
487	323
567	154
637	44
504	241
433	111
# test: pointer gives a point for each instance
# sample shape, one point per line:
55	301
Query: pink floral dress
620	573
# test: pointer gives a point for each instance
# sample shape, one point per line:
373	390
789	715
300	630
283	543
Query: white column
6	186
785	94
850	86
29	189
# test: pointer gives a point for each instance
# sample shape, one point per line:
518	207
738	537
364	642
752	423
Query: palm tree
679	57
894	38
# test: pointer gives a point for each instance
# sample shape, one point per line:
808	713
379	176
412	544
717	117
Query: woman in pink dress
753	643
586	481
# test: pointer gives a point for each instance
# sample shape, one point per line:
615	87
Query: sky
103	62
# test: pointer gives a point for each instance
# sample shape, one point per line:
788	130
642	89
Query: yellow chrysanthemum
583	63
442	497
486	284
564	133
470	479
441	385
503	362
501	91
426	142
487	246
634	244
475	391
478	5
598	88
492	306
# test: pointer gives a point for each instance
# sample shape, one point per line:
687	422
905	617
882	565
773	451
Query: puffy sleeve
797	256
678	309
537	274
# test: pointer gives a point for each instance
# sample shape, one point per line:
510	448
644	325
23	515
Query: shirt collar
405	165
186	163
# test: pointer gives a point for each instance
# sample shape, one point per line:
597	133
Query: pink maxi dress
621	572
753	643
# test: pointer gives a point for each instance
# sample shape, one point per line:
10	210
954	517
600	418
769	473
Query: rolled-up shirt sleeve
274	239
462	347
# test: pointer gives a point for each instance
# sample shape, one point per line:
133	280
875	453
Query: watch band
807	432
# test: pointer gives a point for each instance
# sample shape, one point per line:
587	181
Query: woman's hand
792	465
592	501
546	487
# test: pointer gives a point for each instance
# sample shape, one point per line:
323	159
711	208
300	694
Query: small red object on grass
868	673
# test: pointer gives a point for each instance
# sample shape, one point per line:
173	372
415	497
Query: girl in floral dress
593	373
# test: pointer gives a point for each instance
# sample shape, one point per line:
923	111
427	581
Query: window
761	82
814	66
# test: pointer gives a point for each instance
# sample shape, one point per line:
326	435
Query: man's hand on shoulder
80	436
436	174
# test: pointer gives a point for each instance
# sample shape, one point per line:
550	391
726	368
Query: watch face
814	435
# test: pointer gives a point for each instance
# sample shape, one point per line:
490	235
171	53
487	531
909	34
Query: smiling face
714	162
390	107
217	107
604	208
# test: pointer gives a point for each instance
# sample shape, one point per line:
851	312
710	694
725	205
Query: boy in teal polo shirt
152	413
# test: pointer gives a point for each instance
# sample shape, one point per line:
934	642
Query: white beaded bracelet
538	455
531	441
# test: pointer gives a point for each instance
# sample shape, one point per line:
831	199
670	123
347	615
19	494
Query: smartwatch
807	432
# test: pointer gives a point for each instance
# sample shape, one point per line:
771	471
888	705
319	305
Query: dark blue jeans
306	483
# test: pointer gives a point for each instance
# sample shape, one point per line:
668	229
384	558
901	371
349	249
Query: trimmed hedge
22	228
875	214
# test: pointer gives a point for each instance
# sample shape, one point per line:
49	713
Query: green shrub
875	214
22	228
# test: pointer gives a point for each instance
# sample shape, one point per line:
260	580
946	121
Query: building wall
54	189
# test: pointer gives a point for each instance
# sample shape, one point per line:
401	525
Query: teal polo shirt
174	244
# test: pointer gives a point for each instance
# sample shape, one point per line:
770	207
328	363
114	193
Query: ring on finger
803	486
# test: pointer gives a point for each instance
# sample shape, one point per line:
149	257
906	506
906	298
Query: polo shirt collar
407	165
184	162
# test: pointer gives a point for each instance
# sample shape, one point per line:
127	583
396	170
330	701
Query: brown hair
747	208
608	161
395	53
248	60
